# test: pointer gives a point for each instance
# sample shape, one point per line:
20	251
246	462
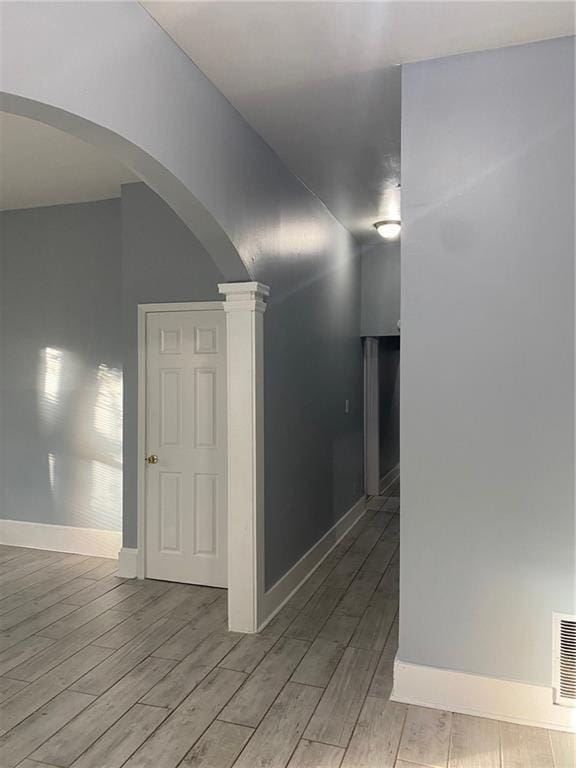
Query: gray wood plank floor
101	672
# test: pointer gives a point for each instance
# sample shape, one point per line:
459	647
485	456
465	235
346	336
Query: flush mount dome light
388	229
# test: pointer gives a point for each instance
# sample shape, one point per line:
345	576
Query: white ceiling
320	82
40	166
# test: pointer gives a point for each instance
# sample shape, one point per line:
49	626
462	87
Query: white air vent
564	660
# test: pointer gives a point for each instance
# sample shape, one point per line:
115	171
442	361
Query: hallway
101	672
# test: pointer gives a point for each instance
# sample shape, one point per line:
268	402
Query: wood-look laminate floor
100	672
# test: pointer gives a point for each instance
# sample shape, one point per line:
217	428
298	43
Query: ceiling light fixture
389	229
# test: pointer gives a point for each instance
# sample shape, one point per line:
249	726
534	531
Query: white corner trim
489	697
181	306
128	563
60	538
244	308
389	478
278	595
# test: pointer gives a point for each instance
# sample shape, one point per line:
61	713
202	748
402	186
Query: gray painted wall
157	113
61	395
313	364
380	288
83	269
487	411
389	402
161	262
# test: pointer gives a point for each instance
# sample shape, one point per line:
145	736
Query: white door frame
143	311
244	308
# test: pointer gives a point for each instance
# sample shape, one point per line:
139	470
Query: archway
107	74
156	176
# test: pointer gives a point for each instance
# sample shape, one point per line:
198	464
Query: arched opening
147	168
84	244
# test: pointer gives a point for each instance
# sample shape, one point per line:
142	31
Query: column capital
244	296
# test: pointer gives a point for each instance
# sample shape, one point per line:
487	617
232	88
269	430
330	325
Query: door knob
152	459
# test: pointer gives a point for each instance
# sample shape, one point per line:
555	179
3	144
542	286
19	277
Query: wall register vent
564	660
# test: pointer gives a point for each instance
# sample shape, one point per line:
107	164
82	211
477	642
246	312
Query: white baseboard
60	538
489	697
273	600
128	563
390	477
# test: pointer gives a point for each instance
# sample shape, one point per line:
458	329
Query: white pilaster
244	307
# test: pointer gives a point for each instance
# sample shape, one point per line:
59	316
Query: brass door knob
152	459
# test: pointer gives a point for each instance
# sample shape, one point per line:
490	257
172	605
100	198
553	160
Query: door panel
186	505
170	407
170	512
205	401
205	514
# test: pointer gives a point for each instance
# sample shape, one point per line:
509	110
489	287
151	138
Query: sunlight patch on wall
80	406
52	471
50	380
108	406
105	494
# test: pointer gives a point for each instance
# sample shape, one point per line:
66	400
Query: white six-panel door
186	505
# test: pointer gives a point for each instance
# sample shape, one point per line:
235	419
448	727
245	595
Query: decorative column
244	307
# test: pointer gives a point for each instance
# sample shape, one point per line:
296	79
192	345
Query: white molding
141	490
143	310
60	538
490	697
278	595
244	291
128	563
390	477
244	308
182	306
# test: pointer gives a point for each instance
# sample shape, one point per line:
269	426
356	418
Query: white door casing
186	429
